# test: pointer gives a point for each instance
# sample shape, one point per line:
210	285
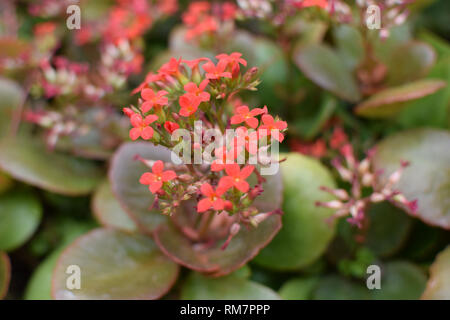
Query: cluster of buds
361	177
203	18
193	98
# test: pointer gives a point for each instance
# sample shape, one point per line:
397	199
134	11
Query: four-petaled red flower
244	114
189	104
223	155
247	139
233	60
216	72
272	128
157	177
212	198
152	99
198	91
141	126
171	68
236	177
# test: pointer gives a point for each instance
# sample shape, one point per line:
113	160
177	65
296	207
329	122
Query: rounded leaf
391	101
325	68
409	62
20	214
27	159
114	265
388	230
438	286
199	287
299	288
11	96
124	174
108	211
334	287
306	232
400	280
213	259
427	179
5	274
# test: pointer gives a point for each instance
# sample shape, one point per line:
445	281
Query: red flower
128	112
232	59
171	68
44	28
153	100
193	64
236	177
272	128
157	177
189	104
171	126
222	155
338	138
216	72
311	3
141	126
198	91
244	114
212	198
247	139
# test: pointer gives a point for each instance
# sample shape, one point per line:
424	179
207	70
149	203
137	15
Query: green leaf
108	211
432	110
20	214
440	45
306	233
390	102
5	274
388	229
427	179
125	171
299	288
350	45
438	286
39	286
410	62
27	159
325	68
334	287
114	265
198	287
400	280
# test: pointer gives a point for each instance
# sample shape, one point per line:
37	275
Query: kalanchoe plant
186	94
365	187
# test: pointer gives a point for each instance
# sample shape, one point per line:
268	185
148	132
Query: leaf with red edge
27	159
5	274
108	211
212	259
438	286
409	62
114	265
391	101
427	179
125	171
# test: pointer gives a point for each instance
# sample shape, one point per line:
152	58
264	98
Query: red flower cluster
179	96
202	17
